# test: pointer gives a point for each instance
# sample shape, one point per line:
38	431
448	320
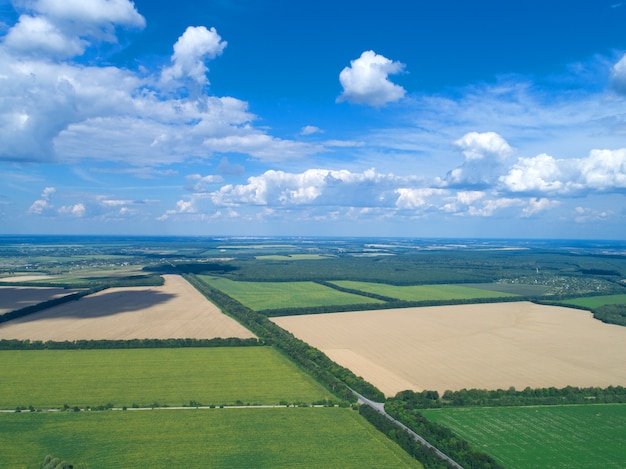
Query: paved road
380	407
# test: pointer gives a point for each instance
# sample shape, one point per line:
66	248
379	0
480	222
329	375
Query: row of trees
411	400
14	344
424	454
441	437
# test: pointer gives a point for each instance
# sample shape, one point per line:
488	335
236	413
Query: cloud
618	76
538	205
588	215
485	154
541	173
260	145
310	129
415	198
601	171
49	109
490	206
314	186
38	35
486	145
43	204
65	28
230	169
198	183
76	210
366	80
51	105
190	52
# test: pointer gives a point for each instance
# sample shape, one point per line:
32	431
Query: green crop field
597	301
292	257
422	292
199	438
589	436
174	377
275	295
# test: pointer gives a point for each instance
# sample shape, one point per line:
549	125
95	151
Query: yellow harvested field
485	346
12	298
27	278
174	310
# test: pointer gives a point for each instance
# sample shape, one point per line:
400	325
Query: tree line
14	344
424	454
412	400
441	437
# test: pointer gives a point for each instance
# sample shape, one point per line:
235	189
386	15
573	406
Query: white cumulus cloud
415	198
64	28
366	80
322	187
192	49
541	173
43	204
485	155
601	171
485	145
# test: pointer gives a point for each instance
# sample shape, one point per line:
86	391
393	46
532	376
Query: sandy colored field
12	298
26	278
482	346
174	310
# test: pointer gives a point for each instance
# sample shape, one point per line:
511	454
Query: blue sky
334	118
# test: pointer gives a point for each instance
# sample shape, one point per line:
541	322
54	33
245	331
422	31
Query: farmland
597	301
487	346
273	295
173	310
495	345
173	377
204	438
12	298
543	436
422	292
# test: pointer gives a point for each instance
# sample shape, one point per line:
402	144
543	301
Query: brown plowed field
485	346
174	310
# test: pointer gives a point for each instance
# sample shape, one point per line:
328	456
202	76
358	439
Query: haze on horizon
417	119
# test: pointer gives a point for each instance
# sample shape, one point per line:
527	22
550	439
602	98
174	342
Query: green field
174	377
205	438
422	292
575	436
597	301
276	295
291	257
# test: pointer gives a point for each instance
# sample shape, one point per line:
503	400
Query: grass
275	295
174	377
597	301
589	436
422	292
211	438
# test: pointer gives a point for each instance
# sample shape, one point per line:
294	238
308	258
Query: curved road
380	407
